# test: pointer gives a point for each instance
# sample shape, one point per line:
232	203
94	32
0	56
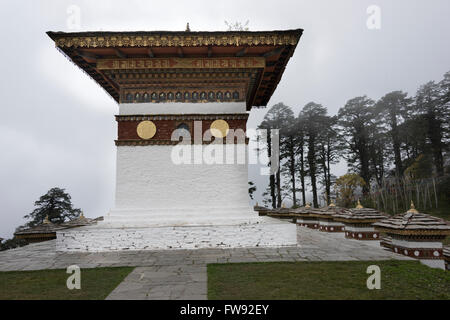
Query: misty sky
57	126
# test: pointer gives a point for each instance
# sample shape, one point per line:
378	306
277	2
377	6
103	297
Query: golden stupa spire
188	29
359	206
82	215
283	206
46	220
308	205
332	204
413	208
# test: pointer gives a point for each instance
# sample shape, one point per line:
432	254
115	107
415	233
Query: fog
57	126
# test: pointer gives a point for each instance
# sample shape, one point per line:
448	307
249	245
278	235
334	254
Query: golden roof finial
283	206
46	220
256	205
187	28
359	206
413	208
308	205
332	204
82	215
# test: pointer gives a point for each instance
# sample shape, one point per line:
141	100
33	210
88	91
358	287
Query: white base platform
261	232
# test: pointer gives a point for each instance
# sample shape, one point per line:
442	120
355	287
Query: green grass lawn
325	280
96	284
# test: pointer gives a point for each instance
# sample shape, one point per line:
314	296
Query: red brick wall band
127	130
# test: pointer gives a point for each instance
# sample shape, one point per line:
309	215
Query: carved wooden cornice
91	51
162	142
237	116
174	39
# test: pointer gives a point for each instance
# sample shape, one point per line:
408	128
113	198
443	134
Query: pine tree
313	115
429	104
391	110
329	152
56	204
278	117
288	152
251	189
300	151
355	120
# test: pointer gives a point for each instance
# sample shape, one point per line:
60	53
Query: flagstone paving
181	274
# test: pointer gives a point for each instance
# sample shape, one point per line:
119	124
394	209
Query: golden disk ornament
219	128
146	130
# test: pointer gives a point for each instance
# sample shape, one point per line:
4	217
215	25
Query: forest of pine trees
398	138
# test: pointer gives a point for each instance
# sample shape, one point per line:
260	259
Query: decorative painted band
50	235
165	129
107	40
415	232
141	117
204	93
416	237
181	63
362	235
356	221
331	228
420	253
160	142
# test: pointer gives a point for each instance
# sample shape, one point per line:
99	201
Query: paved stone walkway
181	274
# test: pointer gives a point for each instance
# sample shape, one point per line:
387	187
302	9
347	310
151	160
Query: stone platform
234	233
181	274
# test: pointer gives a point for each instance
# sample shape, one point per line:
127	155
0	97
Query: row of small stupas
412	233
356	222
47	230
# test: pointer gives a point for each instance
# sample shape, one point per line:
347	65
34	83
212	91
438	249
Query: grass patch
96	284
325	280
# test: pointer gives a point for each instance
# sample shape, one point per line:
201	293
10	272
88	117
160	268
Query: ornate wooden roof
81	221
253	60
359	215
329	210
50	228
42	229
306	211
413	222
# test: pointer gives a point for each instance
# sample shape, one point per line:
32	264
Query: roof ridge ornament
188	29
46	220
332	204
358	205
308	205
412	208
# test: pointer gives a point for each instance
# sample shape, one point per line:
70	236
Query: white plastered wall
153	190
182	108
164	205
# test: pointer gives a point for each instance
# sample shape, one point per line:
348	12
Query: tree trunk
271	177
325	171
302	174
328	184
312	167
364	159
396	145
292	169
435	134
278	185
